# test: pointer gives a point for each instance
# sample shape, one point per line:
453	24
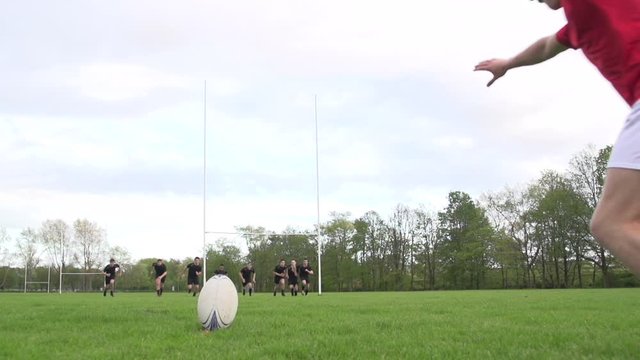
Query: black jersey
247	274
293	272
304	271
194	270
279	270
160	269
111	270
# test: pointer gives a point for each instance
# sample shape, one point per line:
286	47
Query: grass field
547	324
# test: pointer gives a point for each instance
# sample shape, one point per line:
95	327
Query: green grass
548	324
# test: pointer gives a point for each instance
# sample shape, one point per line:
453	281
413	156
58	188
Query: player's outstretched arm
541	50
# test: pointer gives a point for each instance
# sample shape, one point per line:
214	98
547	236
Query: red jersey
608	32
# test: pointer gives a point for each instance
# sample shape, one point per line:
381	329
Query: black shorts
293	281
161	280
304	279
276	280
193	281
107	280
246	282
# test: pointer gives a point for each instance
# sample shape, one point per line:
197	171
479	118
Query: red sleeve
564	37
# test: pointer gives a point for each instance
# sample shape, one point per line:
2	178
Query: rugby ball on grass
217	303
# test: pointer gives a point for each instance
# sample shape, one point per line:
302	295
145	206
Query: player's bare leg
305	287
616	221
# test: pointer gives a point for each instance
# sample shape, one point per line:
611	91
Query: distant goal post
63	274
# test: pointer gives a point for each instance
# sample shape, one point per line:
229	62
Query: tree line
532	236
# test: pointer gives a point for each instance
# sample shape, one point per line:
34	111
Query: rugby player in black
193	278
109	272
305	271
292	272
161	275
221	271
248	278
279	274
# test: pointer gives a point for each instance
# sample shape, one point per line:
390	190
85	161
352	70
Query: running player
110	272
221	271
292	274
279	276
248	278
161	275
193	278
305	271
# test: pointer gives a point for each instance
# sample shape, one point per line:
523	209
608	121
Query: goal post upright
318	236
204	189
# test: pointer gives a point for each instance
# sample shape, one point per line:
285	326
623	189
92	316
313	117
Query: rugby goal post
204	191
62	274
26	283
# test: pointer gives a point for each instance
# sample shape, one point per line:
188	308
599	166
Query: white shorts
626	150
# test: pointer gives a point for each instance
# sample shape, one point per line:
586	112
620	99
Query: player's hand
497	67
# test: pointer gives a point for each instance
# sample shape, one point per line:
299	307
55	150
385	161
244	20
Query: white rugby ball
217	303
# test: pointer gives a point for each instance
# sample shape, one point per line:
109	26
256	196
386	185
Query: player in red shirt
608	33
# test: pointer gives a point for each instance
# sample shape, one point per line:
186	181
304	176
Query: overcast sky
101	111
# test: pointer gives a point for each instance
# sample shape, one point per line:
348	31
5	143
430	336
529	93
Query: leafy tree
89	242
465	232
56	238
426	229
27	245
510	211
587	170
5	258
338	252
559	235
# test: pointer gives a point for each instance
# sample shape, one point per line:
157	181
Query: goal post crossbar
82	273
258	234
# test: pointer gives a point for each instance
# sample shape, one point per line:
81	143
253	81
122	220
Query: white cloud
454	142
116	82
